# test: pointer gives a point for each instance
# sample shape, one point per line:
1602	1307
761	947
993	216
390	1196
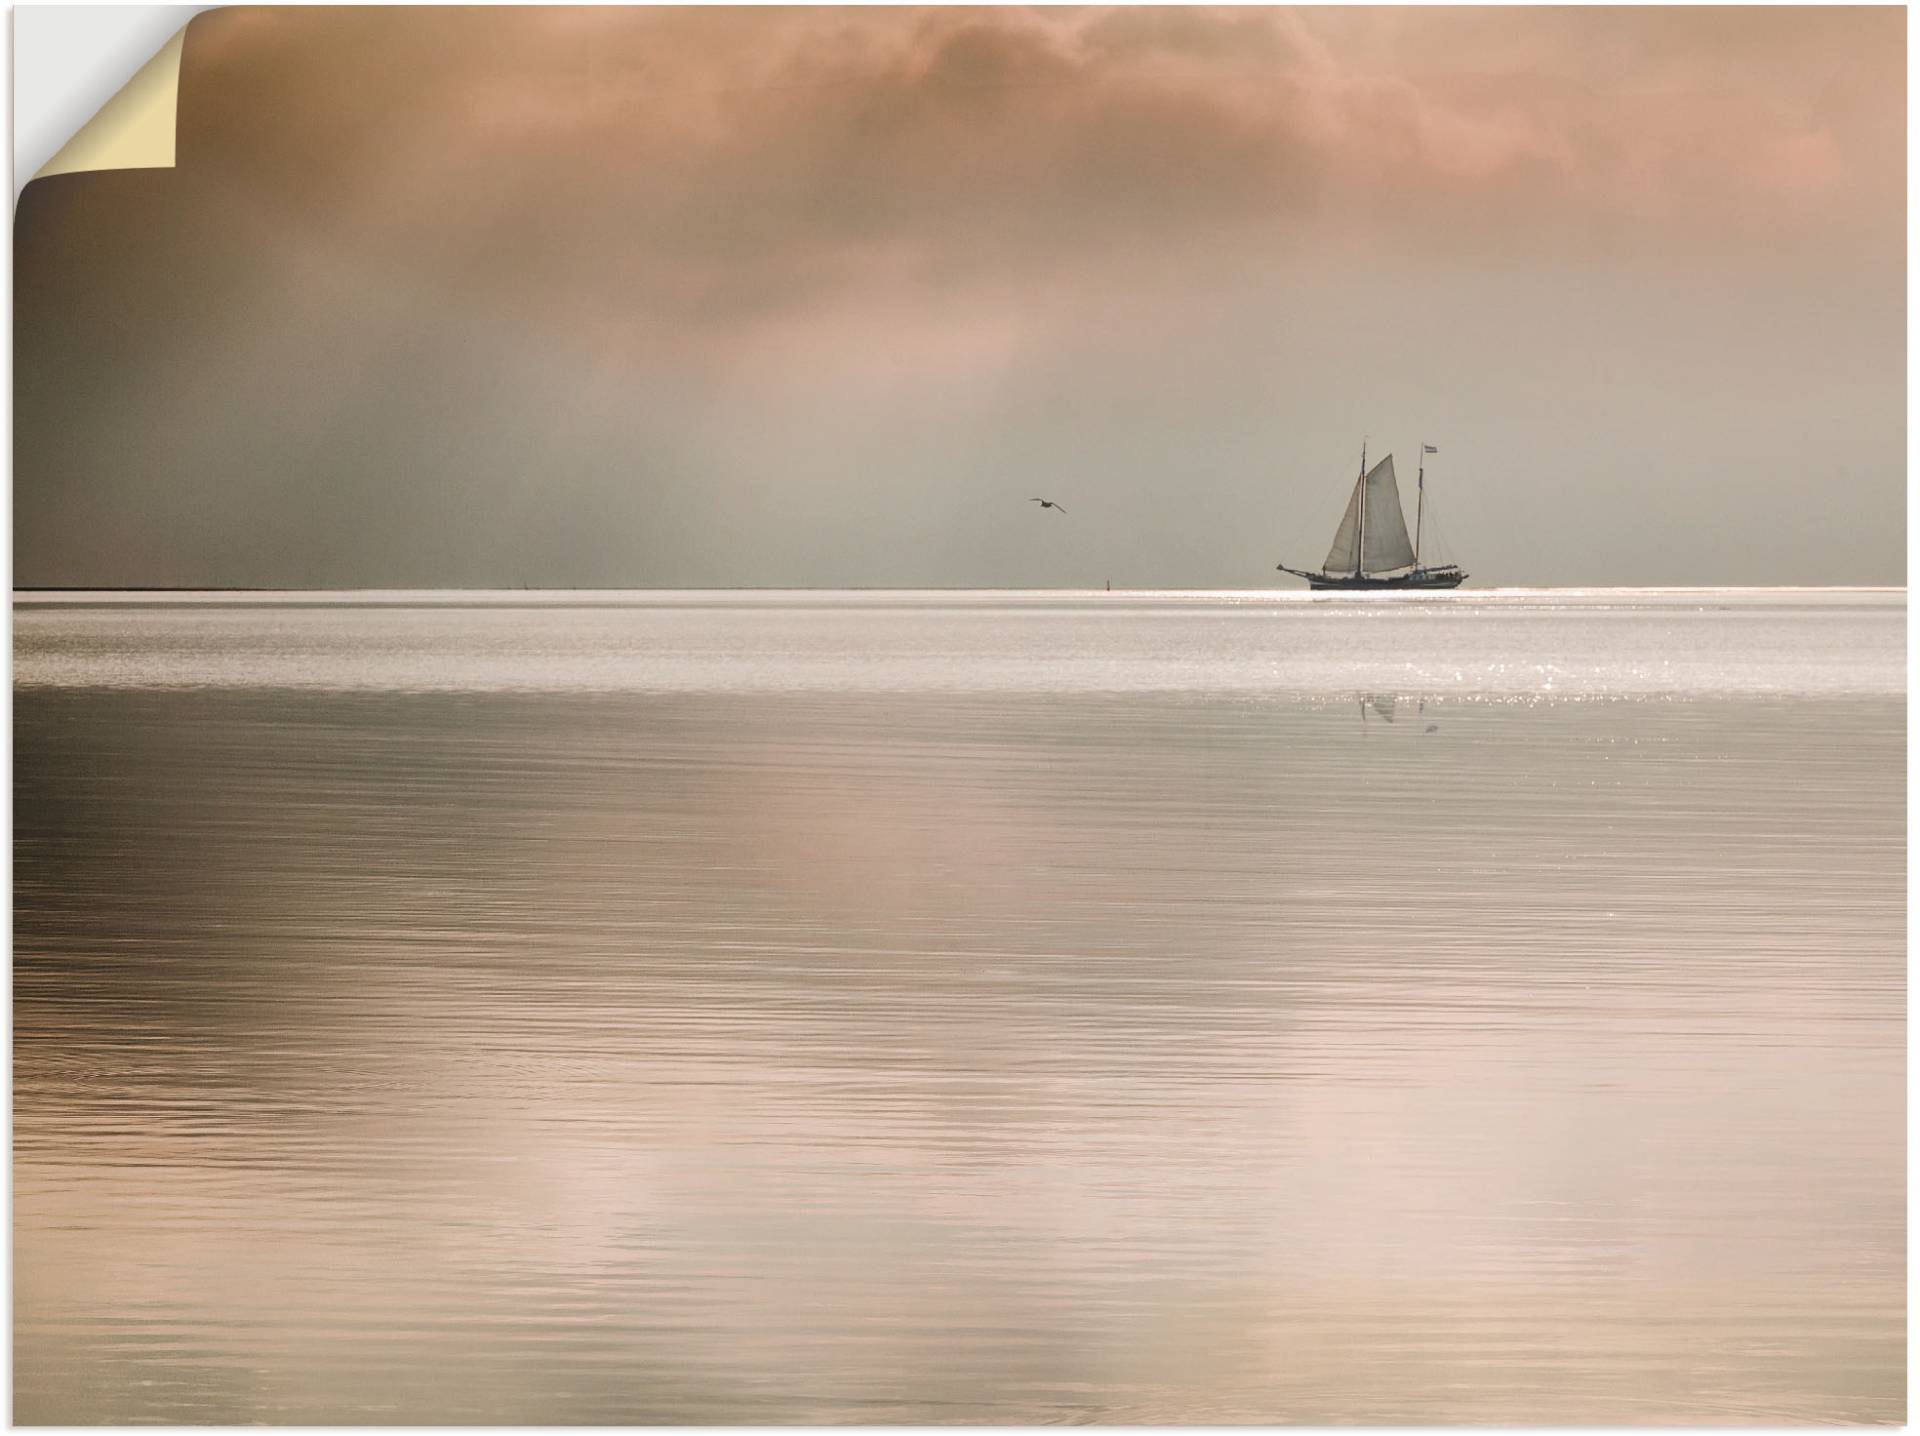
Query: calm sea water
960	1008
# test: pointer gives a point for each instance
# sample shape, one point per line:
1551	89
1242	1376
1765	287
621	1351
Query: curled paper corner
136	128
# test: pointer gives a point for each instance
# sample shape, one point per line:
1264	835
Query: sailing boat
1371	550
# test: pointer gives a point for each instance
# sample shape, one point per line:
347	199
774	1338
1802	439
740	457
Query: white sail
1343	556
1387	544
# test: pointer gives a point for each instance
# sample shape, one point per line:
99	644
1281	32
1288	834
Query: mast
1420	511
1420	506
1360	538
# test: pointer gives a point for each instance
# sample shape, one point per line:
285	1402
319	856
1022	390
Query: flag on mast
1428	449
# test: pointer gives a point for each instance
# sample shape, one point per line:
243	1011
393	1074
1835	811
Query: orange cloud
713	165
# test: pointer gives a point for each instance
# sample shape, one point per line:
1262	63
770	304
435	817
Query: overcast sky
624	298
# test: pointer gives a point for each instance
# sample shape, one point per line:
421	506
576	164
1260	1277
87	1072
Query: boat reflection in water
1383	704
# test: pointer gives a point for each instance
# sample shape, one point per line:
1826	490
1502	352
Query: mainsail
1387	544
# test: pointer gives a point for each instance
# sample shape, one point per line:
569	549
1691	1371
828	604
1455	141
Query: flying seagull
1046	504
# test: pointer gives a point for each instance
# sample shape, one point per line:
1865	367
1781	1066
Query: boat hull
1351	583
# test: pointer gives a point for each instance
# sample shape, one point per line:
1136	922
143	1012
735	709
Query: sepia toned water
960	1008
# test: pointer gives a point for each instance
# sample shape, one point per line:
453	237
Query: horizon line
49	589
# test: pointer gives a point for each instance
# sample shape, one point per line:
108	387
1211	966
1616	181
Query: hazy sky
615	297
